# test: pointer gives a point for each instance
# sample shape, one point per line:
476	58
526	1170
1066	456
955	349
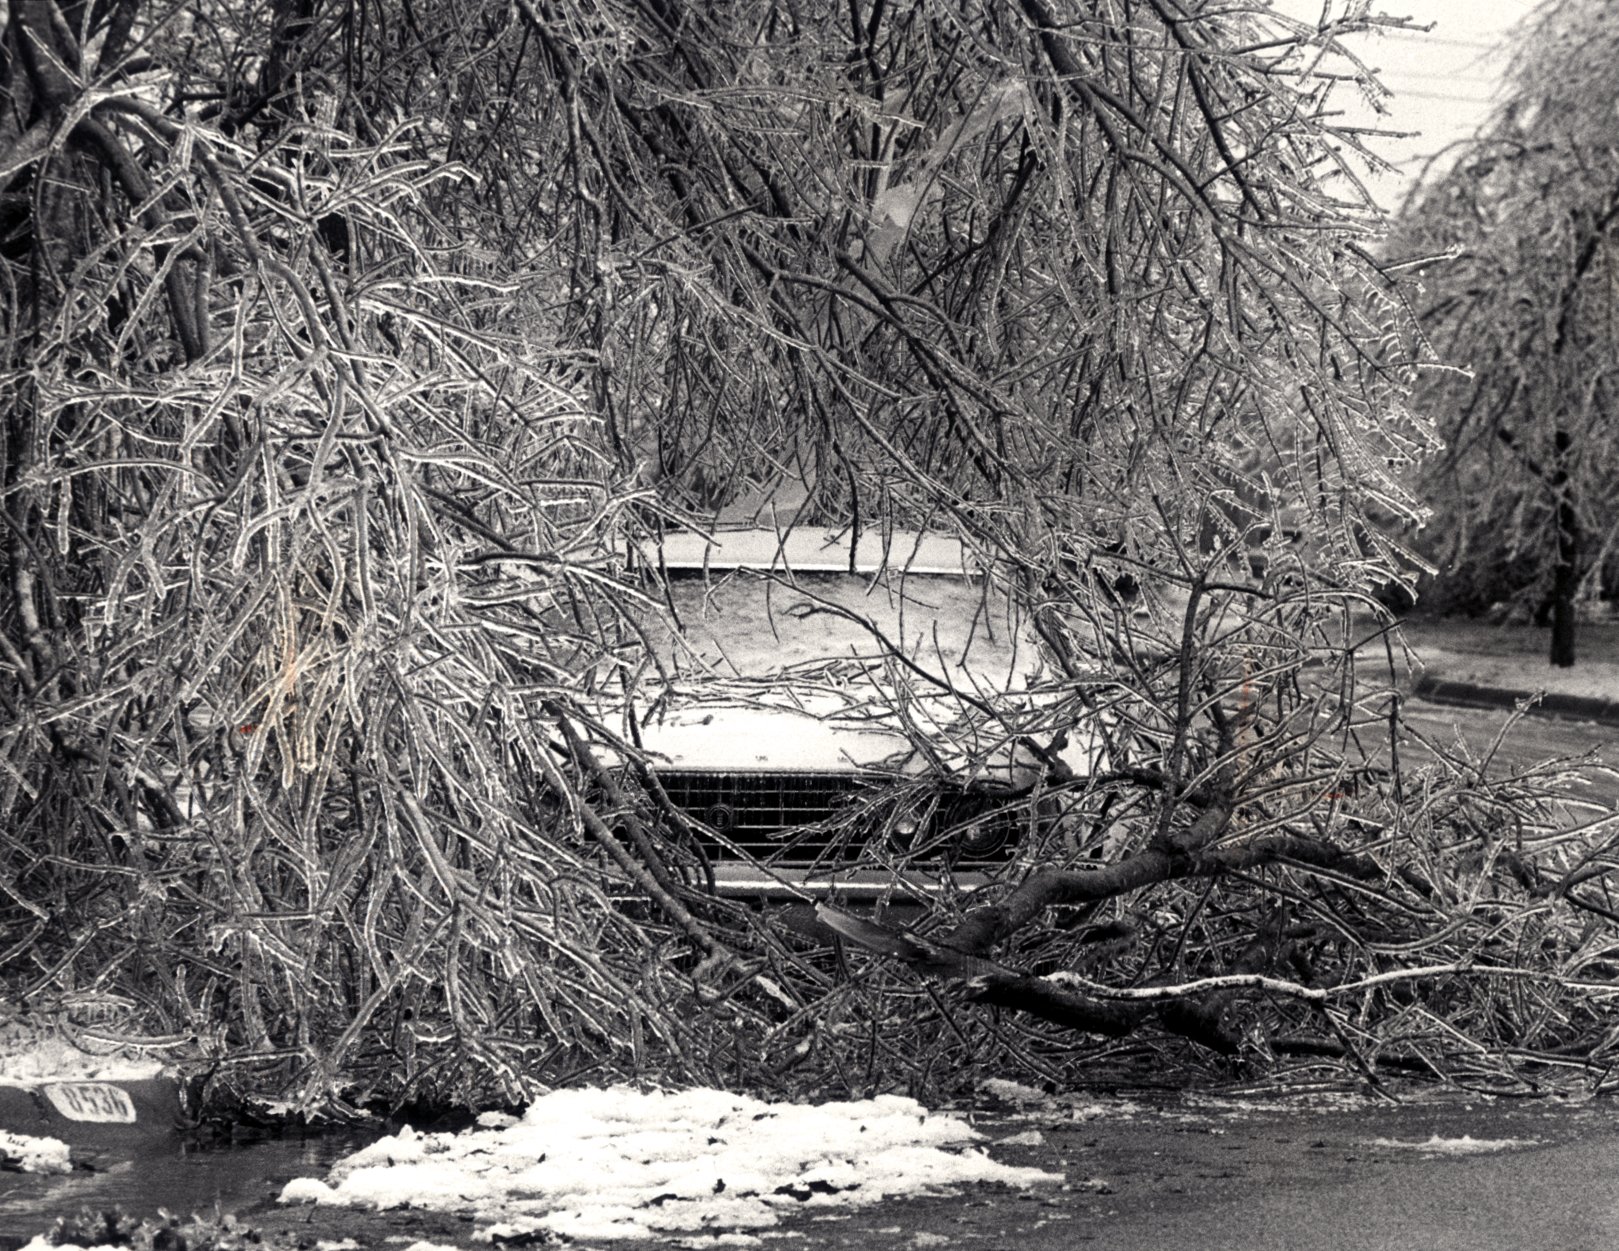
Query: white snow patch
1028	1138
421	1245
618	1163
51	1059
1307	1102
1015	1093
1094	1110
1027	1102
40	1242
1465	1145
35	1155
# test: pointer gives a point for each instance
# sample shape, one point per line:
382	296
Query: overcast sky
1443	81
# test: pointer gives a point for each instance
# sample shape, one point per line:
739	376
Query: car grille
804	818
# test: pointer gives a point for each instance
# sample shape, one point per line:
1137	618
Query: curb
98	1114
1546	704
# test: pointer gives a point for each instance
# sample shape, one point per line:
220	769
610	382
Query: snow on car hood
772	738
828	735
785	660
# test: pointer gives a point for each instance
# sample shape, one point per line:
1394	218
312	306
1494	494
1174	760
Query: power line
1440	95
1385	75
1472	44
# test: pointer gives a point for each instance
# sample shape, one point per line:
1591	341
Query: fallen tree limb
988	981
1189	1009
1291	989
982	928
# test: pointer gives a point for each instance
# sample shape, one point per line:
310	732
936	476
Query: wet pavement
1326	1171
1266	1175
1530	740
170	1174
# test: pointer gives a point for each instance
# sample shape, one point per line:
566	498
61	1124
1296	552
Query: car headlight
902	833
982	838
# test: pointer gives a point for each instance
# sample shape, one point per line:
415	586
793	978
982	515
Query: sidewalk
1477	664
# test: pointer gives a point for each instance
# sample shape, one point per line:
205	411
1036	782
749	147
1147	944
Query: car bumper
792	884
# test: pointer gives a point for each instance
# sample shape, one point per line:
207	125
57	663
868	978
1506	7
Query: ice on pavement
1465	1145
619	1163
1014	1093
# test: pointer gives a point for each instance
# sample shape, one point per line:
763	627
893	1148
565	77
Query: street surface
1532	739
1246	1172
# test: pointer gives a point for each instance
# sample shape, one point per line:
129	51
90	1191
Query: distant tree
1519	300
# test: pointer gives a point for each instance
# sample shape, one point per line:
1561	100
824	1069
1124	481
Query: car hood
809	652
789	732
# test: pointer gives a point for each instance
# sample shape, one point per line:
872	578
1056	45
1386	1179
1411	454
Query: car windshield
746	624
752	603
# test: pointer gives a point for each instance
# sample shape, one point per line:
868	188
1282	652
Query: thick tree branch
180	271
983	928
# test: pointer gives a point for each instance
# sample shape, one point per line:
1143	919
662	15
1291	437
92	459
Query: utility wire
1440	95
1449	78
1473	44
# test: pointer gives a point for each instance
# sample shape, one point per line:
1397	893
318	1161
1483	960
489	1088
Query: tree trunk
1565	574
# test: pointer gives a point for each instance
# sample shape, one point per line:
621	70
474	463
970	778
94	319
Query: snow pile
1029	1103
20	1153
26	1062
1465	1145
1014	1094
617	1163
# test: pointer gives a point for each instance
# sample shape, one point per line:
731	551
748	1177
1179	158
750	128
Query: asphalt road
1269	1177
1327	1171
1530	739
1347	1173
